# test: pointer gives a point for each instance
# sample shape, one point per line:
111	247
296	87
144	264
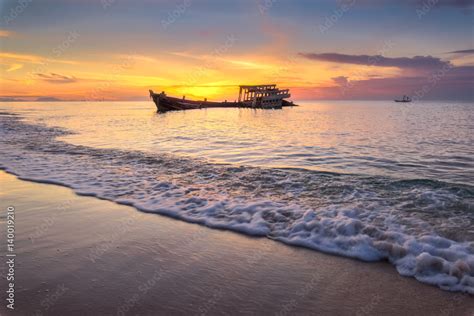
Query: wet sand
84	256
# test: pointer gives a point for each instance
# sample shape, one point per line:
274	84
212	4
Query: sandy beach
80	255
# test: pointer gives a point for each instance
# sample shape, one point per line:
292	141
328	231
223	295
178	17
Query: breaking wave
423	227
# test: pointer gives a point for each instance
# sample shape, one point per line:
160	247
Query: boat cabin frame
263	96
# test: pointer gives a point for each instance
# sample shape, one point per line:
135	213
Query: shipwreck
266	96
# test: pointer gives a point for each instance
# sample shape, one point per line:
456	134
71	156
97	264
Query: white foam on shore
345	215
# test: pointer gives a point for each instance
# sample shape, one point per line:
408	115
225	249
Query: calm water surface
433	140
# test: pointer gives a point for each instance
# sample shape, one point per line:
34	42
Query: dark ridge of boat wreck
258	97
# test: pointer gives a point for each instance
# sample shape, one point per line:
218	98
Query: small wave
423	227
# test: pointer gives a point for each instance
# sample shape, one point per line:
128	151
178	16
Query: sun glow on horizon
91	55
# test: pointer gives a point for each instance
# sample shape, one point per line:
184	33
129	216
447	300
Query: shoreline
96	256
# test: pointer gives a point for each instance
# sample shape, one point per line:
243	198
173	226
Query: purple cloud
418	3
456	3
453	83
341	80
465	51
417	62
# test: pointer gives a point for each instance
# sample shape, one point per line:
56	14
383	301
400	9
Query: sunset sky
117	49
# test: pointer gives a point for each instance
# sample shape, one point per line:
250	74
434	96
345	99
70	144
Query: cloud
14	67
21	57
465	51
455	3
341	80
419	3
5	33
57	78
136	57
417	62
451	84
33	59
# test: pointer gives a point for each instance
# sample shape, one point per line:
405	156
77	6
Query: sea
370	180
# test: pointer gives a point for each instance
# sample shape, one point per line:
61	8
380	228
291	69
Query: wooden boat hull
402	101
166	103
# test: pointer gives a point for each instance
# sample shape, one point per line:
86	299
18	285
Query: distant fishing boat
258	96
404	99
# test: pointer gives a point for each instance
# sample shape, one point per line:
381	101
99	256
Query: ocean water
369	180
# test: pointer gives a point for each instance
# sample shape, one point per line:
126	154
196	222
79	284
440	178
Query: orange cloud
5	33
34	59
14	67
22	57
56	78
